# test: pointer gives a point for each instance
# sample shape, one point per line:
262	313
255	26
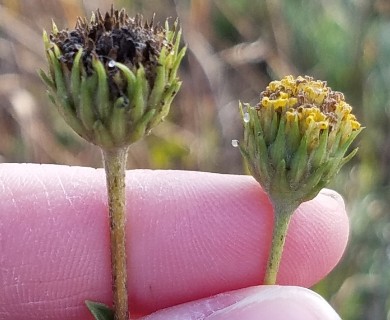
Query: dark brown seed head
115	37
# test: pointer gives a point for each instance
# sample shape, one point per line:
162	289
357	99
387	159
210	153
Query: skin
196	238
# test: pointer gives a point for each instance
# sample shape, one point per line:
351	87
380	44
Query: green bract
113	78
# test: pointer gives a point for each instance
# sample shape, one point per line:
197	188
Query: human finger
190	235
254	303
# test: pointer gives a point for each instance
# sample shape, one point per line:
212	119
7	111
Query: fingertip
279	303
262	302
316	240
331	198
191	235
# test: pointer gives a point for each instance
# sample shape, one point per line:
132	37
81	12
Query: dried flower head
296	137
113	77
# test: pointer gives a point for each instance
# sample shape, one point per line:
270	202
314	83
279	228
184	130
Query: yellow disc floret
312	100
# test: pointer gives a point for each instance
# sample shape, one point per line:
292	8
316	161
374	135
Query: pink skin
191	235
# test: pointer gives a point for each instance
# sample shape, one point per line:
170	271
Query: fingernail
334	197
278	303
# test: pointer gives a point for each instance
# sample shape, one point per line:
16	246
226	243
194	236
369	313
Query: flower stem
282	217
115	166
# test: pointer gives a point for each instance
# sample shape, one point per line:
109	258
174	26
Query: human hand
190	235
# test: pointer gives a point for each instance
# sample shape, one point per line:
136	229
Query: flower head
113	77
296	138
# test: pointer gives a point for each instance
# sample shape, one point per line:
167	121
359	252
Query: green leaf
102	137
99	310
293	138
158	89
119	122
75	78
46	40
130	79
102	94
142	127
165	102
46	79
139	95
319	155
299	166
278	147
176	64
85	108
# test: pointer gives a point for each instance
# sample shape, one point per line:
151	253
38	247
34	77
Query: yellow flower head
309	102
296	137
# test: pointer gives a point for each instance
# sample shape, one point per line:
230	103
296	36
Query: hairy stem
115	166
282	217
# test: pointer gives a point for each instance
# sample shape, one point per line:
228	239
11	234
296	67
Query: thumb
261	302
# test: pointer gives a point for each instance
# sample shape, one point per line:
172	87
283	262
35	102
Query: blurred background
234	49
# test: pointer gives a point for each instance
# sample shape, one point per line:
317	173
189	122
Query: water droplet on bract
125	102
235	143
246	117
111	63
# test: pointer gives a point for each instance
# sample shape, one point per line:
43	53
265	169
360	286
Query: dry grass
204	117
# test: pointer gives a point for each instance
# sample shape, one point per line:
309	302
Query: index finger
189	234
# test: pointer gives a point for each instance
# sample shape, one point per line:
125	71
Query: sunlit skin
193	235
